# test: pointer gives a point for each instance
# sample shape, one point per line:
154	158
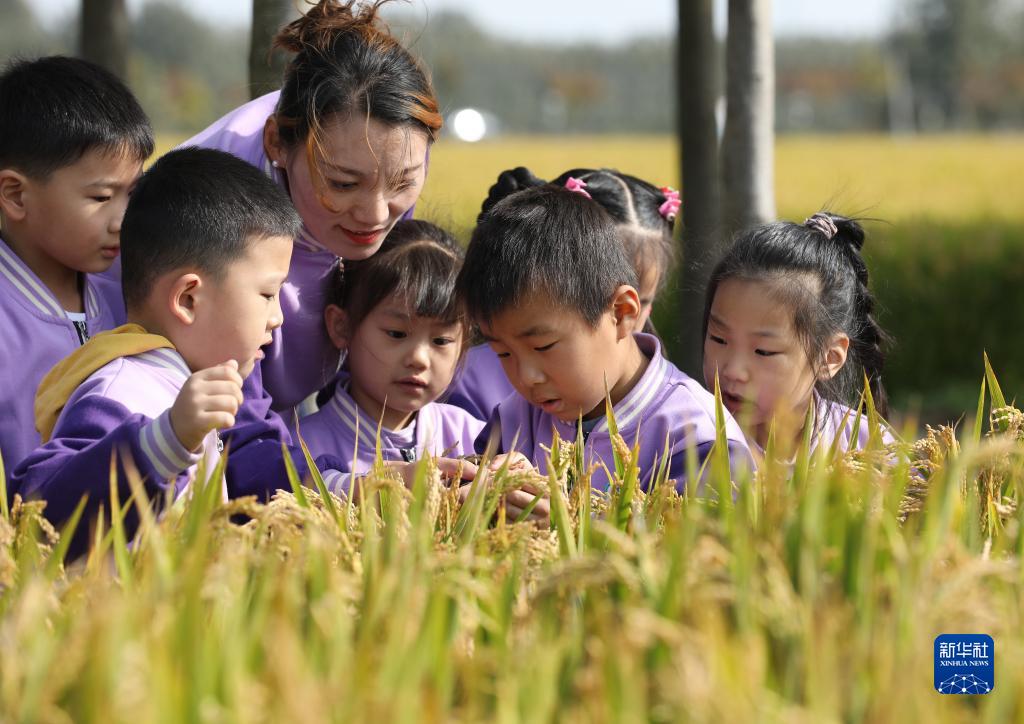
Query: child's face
372	174
401	359
649	279
762	367
557	361
233	316
73	217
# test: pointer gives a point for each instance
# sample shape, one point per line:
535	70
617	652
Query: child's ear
336	321
625	309
835	356
184	296
12	191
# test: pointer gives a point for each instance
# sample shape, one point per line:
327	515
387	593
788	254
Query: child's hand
208	401
517	462
516	501
448	467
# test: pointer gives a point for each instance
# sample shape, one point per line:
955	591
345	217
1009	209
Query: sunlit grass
807	597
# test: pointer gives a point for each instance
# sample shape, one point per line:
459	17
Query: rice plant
807	596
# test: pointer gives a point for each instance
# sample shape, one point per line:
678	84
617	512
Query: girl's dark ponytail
509	181
868	341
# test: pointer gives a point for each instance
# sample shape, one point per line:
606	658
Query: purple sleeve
739	460
255	463
77	463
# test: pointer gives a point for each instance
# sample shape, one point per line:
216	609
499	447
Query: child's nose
418	357
734	369
531	374
276	318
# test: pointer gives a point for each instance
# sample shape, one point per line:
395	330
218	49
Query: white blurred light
469	125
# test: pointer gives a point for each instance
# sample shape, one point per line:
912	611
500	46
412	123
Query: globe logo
964	684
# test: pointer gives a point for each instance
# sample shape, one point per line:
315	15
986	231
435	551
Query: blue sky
571	20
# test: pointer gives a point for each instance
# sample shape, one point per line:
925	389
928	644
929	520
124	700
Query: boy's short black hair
199	208
544	240
55	109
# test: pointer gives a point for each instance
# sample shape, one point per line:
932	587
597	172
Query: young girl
644	216
397	314
548	282
347	138
789	320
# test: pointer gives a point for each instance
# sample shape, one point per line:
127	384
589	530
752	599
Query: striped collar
168	359
364	428
37	294
630	408
305	239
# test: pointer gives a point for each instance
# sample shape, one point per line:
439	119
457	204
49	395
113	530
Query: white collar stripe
21	277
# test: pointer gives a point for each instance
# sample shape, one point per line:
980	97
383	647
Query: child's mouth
551	406
413	384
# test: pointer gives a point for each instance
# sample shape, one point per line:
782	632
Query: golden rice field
810	597
897	179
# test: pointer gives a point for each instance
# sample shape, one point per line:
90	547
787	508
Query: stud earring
275	164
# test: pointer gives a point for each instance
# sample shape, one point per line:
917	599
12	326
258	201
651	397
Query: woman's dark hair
418	262
347	63
544	240
633	203
785	254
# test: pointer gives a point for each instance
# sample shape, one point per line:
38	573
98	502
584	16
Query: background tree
697	91
266	68
748	152
103	34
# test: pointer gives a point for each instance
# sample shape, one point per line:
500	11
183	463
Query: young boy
548	281
72	143
206	241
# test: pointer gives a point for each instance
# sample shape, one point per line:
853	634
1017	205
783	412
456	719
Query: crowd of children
161	322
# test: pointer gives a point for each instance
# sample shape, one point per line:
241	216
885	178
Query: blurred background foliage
918	128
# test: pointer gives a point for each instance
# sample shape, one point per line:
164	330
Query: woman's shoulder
239	132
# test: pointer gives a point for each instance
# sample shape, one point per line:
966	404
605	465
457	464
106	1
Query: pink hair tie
576	186
823	224
670	208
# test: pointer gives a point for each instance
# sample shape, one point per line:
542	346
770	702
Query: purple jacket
302	358
438	429
665	406
480	383
37	335
124	407
833	421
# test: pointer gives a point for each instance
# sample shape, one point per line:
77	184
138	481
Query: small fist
208	401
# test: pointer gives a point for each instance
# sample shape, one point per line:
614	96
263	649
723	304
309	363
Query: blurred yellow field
892	178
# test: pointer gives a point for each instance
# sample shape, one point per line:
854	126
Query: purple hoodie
665	407
37	335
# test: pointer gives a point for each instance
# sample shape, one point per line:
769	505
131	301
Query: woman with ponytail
789	326
347	137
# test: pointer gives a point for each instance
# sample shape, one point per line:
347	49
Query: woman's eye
395	333
716	340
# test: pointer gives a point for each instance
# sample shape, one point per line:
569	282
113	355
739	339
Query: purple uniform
302	358
340	429
666	407
480	383
124	406
833	421
38	334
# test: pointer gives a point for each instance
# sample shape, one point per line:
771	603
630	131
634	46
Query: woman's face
364	176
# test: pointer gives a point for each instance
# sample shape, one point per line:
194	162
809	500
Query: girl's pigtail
508	183
869	341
